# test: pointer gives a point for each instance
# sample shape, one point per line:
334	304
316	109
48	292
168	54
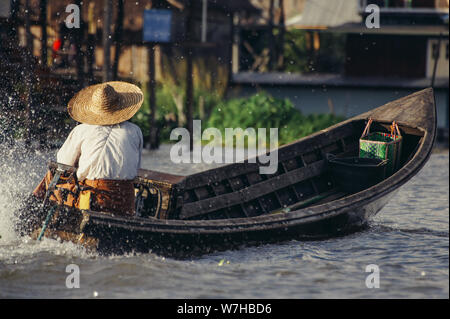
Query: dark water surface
408	240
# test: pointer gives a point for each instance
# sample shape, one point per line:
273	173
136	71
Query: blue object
157	25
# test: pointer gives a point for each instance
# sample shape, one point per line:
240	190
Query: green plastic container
383	146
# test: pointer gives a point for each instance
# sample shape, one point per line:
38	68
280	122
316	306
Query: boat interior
303	179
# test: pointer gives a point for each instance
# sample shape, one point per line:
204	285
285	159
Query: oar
50	190
46	222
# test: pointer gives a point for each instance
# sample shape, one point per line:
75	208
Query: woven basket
383	146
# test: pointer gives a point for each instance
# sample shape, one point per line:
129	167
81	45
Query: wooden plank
263	207
297	196
235	188
253	191
163	177
413	111
343	145
316	142
314	186
225	212
316	200
278	198
285	153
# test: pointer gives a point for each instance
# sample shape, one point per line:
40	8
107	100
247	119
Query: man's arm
141	145
70	152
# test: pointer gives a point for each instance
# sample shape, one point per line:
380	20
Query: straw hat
106	103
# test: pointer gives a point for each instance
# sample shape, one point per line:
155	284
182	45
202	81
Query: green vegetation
164	111
264	111
306	52
258	111
209	81
303	51
169	109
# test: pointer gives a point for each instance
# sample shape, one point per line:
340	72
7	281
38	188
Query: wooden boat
234	205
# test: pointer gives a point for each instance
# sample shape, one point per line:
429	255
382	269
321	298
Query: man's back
103	151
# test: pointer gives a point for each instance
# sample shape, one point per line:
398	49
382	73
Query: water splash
20	171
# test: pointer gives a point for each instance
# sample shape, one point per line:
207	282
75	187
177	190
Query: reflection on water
408	240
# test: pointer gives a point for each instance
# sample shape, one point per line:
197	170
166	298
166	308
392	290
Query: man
105	148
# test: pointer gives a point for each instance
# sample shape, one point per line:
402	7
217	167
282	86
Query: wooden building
405	45
409	52
133	59
108	44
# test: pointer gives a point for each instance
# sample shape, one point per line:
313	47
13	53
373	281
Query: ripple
420	231
410	236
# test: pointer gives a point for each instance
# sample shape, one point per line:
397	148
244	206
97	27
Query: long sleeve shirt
103	152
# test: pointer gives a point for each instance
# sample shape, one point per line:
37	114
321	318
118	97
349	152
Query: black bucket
354	174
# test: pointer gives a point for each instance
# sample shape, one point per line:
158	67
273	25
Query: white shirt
103	151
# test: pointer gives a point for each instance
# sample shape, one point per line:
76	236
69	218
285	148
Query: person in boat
105	148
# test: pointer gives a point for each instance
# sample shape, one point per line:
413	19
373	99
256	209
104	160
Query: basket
354	174
382	146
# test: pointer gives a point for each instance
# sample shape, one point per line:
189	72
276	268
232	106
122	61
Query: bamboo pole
435	54
79	35
28	35
151	87
282	31
118	37
107	16
43	21
189	76
13	21
92	37
152	95
272	44
28	76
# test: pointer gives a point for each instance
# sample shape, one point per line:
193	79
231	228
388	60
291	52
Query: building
405	45
201	40
133	60
408	52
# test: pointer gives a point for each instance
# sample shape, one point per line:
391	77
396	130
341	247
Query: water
408	240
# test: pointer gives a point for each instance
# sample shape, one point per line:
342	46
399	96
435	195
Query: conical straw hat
106	103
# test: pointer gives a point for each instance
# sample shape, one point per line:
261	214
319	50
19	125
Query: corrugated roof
224	5
326	13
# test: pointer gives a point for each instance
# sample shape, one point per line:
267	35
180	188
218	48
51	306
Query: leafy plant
258	111
168	113
264	111
300	56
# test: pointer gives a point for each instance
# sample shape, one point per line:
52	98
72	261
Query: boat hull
116	239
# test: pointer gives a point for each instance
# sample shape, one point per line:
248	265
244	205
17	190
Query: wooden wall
386	55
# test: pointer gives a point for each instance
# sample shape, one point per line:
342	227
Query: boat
234	205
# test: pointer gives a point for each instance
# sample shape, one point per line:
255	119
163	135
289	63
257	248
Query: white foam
20	172
17	177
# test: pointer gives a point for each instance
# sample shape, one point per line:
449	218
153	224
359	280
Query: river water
408	241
